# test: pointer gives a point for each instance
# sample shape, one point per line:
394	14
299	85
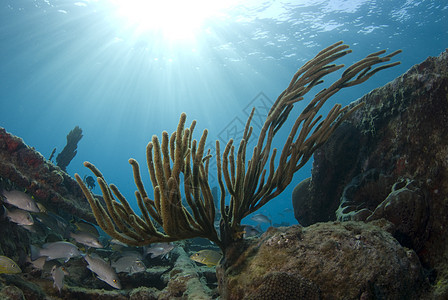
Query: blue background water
68	63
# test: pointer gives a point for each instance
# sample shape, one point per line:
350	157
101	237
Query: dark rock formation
397	170
350	260
341	151
68	153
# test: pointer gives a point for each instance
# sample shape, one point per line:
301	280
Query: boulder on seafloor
398	169
349	260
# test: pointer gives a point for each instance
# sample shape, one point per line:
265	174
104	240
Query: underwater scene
223	149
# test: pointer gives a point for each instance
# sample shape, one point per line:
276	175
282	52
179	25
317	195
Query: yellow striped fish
8	266
207	257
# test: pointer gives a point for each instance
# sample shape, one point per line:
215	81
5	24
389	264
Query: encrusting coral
180	163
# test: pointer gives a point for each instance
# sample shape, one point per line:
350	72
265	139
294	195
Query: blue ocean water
125	70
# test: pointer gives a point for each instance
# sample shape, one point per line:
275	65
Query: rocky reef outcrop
349	260
23	168
390	160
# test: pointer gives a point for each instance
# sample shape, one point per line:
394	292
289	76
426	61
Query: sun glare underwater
172	19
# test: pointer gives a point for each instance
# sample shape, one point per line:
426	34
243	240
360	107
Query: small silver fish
58	273
117	242
41	207
158	249
85	226
20	200
60	221
86	238
129	264
260	218
281	224
216	224
18	216
103	270
55	250
250	230
38	263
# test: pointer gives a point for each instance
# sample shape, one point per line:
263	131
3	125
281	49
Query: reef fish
250	230
207	257
8	266
129	264
58	273
55	250
20	200
85	226
281	224
87	239
41	207
39	263
158	249
103	270
260	218
118	243
18	216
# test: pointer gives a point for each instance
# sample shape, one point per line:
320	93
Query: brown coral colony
178	166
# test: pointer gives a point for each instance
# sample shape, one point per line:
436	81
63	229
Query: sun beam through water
174	19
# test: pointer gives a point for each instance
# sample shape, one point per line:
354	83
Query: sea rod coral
179	165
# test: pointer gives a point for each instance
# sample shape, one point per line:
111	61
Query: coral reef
399	167
350	260
23	168
251	184
175	278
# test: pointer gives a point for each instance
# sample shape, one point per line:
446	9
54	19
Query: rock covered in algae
350	260
402	138
398	133
11	293
26	169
